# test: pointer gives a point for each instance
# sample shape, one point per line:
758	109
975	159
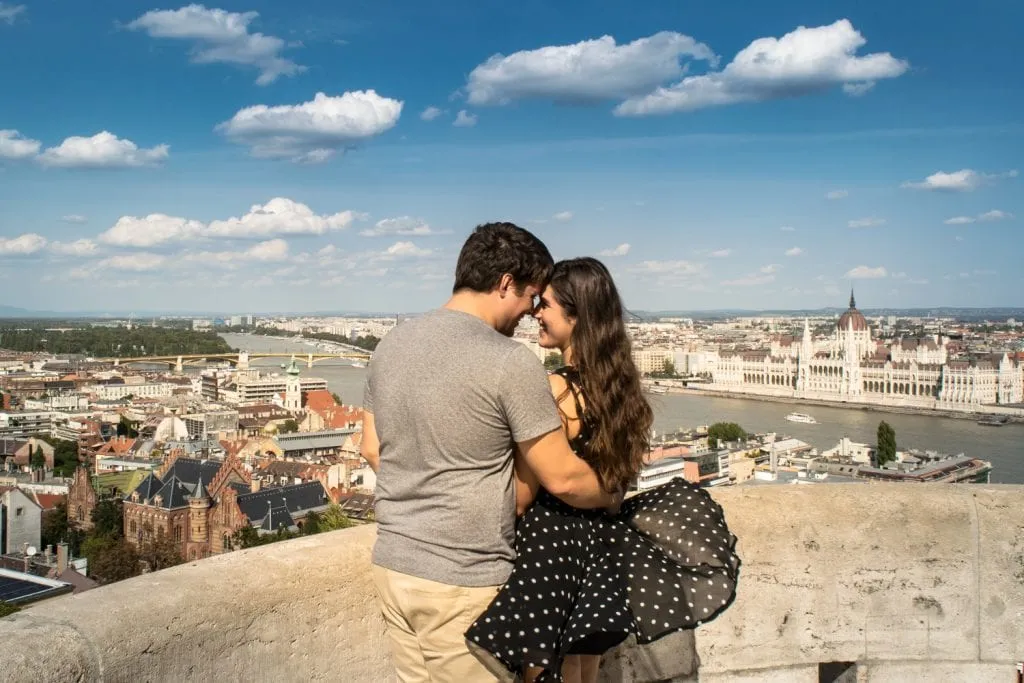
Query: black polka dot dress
584	581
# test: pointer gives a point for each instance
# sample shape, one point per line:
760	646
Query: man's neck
473	303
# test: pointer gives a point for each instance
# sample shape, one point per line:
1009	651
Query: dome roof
170	429
854	317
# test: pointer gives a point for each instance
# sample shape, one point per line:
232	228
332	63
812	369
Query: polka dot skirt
584	581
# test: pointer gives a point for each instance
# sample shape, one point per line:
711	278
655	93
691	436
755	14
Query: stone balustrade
908	581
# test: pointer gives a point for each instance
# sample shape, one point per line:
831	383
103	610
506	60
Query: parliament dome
852	315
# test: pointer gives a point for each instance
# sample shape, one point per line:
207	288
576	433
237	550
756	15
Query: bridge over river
240	360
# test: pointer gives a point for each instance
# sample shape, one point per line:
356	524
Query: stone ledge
911	580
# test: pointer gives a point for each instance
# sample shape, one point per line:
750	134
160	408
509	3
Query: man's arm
563	473
370	447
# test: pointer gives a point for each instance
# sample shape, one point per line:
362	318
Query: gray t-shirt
450	398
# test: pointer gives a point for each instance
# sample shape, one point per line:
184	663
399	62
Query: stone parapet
909	581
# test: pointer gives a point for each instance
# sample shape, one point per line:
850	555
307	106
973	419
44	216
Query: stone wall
909	581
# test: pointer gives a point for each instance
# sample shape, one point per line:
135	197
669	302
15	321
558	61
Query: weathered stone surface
912	581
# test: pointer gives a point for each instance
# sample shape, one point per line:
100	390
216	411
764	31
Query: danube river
1002	446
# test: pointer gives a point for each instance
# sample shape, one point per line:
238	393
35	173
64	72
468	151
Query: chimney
254	485
62	558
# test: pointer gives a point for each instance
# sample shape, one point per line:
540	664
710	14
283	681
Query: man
450	401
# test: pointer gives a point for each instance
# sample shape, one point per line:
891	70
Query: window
132	527
19	512
177	534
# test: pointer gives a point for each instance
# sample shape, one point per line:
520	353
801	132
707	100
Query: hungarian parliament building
852	367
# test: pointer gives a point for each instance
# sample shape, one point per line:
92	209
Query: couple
466	431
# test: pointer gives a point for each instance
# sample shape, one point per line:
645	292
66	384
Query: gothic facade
853	367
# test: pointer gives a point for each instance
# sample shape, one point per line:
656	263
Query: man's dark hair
494	249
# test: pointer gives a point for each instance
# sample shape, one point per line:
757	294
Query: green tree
885	448
38	460
289	426
311	525
669	368
725	431
334	518
108	518
111	559
7	608
159	550
128	428
55	526
553	361
337	399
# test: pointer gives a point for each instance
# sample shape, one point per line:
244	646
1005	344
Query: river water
1002	446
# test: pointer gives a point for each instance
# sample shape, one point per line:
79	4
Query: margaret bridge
240	360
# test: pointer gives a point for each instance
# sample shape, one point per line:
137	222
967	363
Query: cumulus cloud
866	273
430	113
591	70
964	180
787	228
563	216
13	145
837	194
987	217
721	253
803	61
464	119
668	267
219	36
770	268
139	261
8	12
403	249
279	216
314	131
402	225
794	251
22	245
870	222
80	248
268	251
74	218
103	150
151	230
620	250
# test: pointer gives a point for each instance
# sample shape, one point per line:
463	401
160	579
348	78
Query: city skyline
246	157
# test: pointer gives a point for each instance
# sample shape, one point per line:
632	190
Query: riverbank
864	407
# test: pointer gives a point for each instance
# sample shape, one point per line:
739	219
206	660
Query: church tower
198	511
804	359
293	388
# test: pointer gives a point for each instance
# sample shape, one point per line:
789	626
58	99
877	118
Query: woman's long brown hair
620	415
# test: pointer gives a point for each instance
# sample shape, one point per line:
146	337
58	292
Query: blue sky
332	156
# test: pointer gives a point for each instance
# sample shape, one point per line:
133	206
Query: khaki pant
426	623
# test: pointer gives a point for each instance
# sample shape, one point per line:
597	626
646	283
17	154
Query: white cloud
865	273
74	218
22	245
13	145
269	251
620	250
103	150
870	222
139	261
995	215
279	216
430	113
753	280
81	248
313	131
464	119
8	13
987	217
668	267
402	225
770	268
804	61
590	70
721	253
837	194
964	180
219	36
151	230
787	228
858	89
795	251
401	249
563	216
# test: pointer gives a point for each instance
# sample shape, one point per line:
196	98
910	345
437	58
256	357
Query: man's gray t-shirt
450	398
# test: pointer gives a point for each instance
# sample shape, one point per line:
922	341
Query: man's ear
505	284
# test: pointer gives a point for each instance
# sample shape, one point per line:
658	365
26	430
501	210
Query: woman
585	580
